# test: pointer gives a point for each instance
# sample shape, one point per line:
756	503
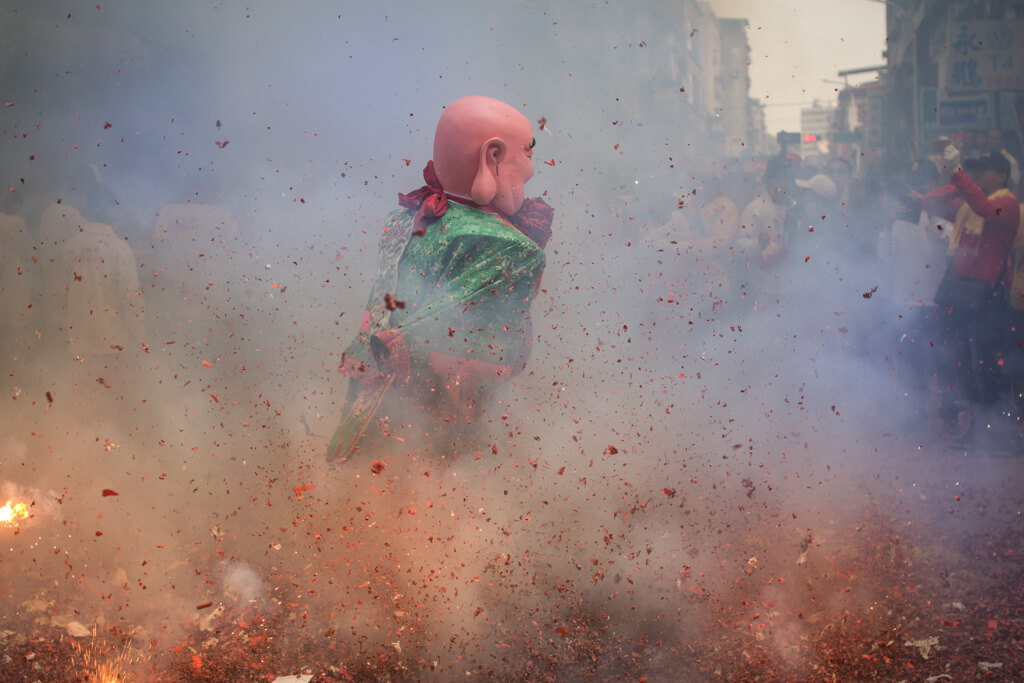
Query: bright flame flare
108	672
104	669
12	513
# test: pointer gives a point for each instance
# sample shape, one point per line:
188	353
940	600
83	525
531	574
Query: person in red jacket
985	216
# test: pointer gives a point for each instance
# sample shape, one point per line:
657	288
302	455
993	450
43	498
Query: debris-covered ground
922	582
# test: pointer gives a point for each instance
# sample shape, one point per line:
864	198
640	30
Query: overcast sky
797	48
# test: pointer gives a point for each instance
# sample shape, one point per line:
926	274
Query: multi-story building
758	142
734	85
816	125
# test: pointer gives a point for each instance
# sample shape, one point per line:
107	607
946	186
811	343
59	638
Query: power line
788	104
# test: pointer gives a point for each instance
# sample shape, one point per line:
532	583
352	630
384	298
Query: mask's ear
485	184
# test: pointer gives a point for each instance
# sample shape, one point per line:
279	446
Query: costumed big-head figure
449	314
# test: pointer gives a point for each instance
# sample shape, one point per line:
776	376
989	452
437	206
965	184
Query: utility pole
915	90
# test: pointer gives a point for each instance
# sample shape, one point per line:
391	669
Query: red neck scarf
430	201
533	219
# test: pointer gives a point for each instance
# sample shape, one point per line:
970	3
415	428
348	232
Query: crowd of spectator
936	245
79	312
806	235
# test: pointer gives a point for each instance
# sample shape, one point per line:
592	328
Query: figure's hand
951	159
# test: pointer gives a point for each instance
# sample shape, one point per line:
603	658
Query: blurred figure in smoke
92	302
986	221
712	224
914	253
936	150
740	186
104	312
448	317
814	209
974	144
760	242
195	248
61	220
840	171
816	236
817	198
996	145
716	218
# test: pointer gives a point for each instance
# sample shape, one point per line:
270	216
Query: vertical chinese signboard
984	56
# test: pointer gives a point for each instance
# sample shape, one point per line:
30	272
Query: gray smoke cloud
673	452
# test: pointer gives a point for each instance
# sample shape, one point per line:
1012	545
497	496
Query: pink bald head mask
483	149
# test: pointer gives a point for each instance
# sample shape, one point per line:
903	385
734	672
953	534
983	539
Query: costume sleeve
942	202
470	316
999	214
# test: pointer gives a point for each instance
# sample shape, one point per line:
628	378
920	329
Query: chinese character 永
965	42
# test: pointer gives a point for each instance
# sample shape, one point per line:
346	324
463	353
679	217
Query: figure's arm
942	201
998	213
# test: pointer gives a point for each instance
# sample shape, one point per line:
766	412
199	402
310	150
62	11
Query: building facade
954	67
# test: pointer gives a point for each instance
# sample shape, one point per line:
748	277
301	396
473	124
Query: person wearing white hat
821	184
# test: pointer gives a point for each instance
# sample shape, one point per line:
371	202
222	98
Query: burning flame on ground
110	670
12	513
